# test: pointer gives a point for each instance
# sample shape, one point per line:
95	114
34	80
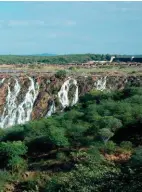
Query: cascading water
15	113
1	81
100	84
75	98
51	110
25	108
9	113
64	91
17	102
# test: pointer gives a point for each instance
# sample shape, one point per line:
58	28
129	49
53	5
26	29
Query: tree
17	164
111	122
57	136
11	155
105	134
61	74
85	178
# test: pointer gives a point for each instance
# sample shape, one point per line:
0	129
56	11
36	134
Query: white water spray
9	113
64	91
15	113
100	84
25	108
51	110
2	81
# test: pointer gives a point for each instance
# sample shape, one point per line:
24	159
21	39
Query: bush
61	74
83	178
126	145
4	178
72	68
136	159
109	147
61	156
17	164
11	155
29	186
105	134
57	137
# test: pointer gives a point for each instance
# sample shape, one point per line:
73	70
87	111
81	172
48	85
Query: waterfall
51	110
15	113
64	91
1	81
9	113
75	98
100	84
25	108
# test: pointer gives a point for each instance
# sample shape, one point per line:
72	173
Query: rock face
24	98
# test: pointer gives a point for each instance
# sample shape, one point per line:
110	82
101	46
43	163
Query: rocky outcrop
23	98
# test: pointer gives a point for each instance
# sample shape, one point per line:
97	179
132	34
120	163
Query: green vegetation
10	155
61	59
94	146
61	74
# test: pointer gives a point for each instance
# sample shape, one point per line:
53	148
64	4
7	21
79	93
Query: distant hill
44	54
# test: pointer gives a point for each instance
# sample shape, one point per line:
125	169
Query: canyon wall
24	98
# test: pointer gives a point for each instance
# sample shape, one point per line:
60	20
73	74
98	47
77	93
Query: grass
77	70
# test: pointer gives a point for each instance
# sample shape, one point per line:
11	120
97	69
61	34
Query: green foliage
83	178
61	59
30	186
126	145
94	153
57	136
5	177
110	147
17	164
11	155
70	146
96	177
61	156
2	133
72	68
105	134
136	159
111	123
61	74
15	148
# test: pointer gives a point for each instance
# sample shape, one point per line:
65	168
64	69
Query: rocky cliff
23	98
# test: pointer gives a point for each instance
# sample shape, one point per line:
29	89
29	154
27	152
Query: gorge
28	97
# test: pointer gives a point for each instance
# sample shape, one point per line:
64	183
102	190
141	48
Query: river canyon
28	97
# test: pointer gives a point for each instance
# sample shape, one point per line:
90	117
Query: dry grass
118	70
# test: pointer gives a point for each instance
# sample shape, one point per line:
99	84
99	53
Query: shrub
11	155
110	147
17	164
105	134
80	156
30	185
61	74
61	156
4	178
126	145
72	68
136	159
84	178
57	136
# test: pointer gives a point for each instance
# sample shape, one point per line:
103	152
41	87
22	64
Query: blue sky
70	27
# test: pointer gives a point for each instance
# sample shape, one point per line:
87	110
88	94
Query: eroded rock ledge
26	97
